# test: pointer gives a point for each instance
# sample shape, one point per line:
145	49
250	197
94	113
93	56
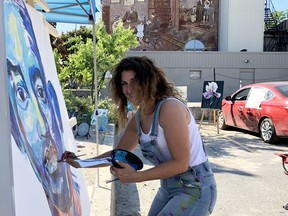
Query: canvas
40	130
212	95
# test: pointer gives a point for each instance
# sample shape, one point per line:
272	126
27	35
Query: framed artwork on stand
212	95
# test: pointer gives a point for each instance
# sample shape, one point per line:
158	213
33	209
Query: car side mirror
228	98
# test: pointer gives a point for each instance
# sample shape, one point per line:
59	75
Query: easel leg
210	112
202	117
216	120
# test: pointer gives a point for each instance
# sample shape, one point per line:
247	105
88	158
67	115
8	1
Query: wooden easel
215	118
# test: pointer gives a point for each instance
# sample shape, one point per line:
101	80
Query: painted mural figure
154	25
193	14
130	16
115	22
188	12
211	14
140	31
200	9
36	123
206	11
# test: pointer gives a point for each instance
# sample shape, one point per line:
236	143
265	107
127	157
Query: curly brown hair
152	84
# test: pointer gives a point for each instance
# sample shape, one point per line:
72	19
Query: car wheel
221	121
267	131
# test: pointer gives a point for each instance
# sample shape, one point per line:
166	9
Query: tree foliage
111	48
280	16
67	42
74	54
74	57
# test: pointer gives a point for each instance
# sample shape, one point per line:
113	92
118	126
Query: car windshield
283	90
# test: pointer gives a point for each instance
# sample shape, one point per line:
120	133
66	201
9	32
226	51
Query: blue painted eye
21	93
40	92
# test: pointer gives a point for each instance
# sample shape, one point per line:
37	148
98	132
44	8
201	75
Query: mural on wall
37	127
212	94
167	25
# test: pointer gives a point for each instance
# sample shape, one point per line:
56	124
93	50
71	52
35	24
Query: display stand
215	118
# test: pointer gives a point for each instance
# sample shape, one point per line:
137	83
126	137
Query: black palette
126	157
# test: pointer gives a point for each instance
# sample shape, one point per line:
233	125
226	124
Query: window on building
195	74
194	45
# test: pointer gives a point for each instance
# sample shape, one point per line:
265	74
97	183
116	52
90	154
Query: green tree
78	67
74	57
76	70
66	43
279	16
111	48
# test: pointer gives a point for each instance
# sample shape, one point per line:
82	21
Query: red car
259	107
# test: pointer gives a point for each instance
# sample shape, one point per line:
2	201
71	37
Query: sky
64	27
279	5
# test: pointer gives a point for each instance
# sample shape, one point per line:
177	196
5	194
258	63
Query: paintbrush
76	156
112	180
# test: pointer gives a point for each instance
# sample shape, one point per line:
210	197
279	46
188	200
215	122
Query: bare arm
128	141
174	119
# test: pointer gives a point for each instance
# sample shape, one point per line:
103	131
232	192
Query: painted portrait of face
36	123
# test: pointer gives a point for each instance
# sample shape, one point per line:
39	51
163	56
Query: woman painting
168	136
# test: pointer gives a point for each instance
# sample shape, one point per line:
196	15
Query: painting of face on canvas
39	121
212	95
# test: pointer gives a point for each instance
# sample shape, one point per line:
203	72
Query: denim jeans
191	193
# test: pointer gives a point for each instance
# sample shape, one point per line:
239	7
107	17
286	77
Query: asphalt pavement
249	175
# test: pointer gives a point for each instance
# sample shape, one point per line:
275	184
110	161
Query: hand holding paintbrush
71	155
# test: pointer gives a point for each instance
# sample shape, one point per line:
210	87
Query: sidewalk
95	178
114	199
134	199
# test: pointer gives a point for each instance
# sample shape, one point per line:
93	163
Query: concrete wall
233	68
241	25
